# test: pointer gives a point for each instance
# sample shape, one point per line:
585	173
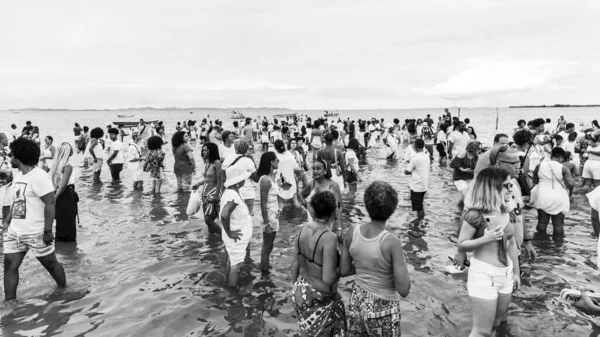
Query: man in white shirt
115	155
457	141
418	169
28	225
569	128
549	127
226	149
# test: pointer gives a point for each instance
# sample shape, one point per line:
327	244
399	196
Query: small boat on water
237	115
285	116
331	113
125	116
132	124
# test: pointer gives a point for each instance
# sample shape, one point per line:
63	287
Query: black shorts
416	199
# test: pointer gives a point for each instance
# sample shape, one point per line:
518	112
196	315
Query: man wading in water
28	225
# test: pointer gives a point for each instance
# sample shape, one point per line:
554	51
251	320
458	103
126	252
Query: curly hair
324	204
154	143
380	200
97	133
26	151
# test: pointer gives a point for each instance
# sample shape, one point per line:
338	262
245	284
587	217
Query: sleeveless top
373	273
272	203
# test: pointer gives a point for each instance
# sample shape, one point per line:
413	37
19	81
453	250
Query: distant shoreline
151	108
556	106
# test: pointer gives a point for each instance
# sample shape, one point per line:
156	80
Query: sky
298	54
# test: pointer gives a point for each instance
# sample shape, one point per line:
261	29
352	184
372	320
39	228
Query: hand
460	260
286	186
109	162
517	284
95	160
235	235
48	237
530	251
268	228
194	173
493	235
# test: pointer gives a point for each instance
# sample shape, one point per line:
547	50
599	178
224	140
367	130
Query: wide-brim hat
235	174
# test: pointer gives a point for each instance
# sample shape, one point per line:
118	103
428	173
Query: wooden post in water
458	113
496	119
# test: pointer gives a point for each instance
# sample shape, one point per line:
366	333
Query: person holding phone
464	165
488	231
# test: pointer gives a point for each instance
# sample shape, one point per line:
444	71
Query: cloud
484	77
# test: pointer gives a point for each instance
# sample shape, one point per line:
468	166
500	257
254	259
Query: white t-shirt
351	155
116	146
459	141
246	191
28	207
287	165
134	153
409	153
419	168
225	151
441	137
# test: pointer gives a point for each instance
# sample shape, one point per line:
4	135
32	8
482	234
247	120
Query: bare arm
393	245
220	176
346	263
66	175
330	265
49	202
568	178
536	177
265	186
514	256
226	220
190	155
295	264
338	196
466	243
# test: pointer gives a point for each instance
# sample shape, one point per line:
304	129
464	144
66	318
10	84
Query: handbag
194	204
338	169
351	176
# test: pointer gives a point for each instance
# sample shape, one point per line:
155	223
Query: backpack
81	143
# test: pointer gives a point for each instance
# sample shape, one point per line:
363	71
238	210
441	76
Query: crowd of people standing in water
535	167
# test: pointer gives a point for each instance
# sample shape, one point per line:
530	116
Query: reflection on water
142	267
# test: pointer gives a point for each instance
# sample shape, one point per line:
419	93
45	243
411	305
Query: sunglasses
508	186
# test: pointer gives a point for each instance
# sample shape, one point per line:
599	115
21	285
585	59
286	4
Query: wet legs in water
138	185
213	228
13	261
267	248
156	184
558	221
595	222
233	273
97	176
488	314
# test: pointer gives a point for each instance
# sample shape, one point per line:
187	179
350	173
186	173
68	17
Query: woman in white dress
550	194
286	176
236	222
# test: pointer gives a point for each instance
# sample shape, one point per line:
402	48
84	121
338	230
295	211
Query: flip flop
573	295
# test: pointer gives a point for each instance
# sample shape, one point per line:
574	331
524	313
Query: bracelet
526	240
48	232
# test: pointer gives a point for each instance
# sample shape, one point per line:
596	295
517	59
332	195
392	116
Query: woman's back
374	272
311	242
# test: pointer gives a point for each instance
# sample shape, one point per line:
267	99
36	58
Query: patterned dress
155	164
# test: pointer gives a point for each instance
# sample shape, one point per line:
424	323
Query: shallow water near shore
141	267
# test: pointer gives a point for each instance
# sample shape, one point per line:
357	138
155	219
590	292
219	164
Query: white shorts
462	184
591	169
487	281
6	195
273	216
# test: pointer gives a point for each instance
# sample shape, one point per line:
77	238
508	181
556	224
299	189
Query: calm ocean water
142	268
